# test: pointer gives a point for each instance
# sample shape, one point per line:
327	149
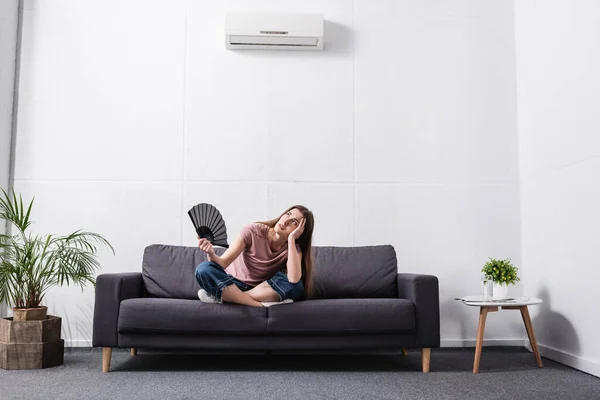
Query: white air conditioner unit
274	31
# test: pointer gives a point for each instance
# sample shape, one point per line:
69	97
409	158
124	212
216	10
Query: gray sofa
360	301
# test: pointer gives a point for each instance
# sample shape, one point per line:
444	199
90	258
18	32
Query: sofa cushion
339	272
342	316
169	271
355	272
189	317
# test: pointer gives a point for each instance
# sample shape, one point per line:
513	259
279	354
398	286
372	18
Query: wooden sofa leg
425	357
133	351
106	353
404	352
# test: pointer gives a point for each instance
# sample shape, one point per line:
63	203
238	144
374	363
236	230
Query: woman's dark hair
305	243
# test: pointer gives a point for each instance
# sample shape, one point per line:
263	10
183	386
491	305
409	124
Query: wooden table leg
483	311
529	329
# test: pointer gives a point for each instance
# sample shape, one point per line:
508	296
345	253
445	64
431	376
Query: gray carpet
505	373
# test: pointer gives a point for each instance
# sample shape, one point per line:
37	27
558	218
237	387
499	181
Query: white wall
558	59
402	131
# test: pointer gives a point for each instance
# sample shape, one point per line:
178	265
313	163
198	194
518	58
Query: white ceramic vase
500	290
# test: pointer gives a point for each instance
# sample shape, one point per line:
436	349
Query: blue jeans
213	278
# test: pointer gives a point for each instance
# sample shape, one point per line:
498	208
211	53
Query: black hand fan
209	224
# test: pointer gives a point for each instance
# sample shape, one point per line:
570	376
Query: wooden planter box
31	344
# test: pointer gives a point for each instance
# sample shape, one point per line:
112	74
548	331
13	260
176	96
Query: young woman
269	262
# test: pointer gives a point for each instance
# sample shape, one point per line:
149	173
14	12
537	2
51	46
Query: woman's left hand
298	231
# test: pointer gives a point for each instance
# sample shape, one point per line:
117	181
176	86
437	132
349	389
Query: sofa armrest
111	289
423	290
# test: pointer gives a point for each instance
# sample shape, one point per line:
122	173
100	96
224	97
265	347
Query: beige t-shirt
257	262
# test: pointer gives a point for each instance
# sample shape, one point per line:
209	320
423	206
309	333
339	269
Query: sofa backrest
340	272
169	271
355	272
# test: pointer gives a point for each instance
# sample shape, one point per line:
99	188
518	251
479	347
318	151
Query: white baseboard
571	360
78	343
444	342
486	342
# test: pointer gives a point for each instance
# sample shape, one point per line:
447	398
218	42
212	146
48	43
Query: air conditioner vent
274	31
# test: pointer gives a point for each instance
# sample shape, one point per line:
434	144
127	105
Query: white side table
490	306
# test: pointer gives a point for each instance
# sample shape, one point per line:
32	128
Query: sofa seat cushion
163	315
342	316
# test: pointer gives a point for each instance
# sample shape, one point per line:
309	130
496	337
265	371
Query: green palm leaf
30	265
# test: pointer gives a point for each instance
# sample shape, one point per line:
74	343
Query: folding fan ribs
209	224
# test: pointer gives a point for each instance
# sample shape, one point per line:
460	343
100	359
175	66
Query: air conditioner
274	31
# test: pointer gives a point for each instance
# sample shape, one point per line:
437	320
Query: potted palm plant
30	264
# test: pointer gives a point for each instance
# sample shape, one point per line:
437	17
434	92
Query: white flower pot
500	290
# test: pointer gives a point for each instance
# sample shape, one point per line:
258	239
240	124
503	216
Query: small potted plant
502	273
30	264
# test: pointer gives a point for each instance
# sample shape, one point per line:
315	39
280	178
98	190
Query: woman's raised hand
298	231
206	246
